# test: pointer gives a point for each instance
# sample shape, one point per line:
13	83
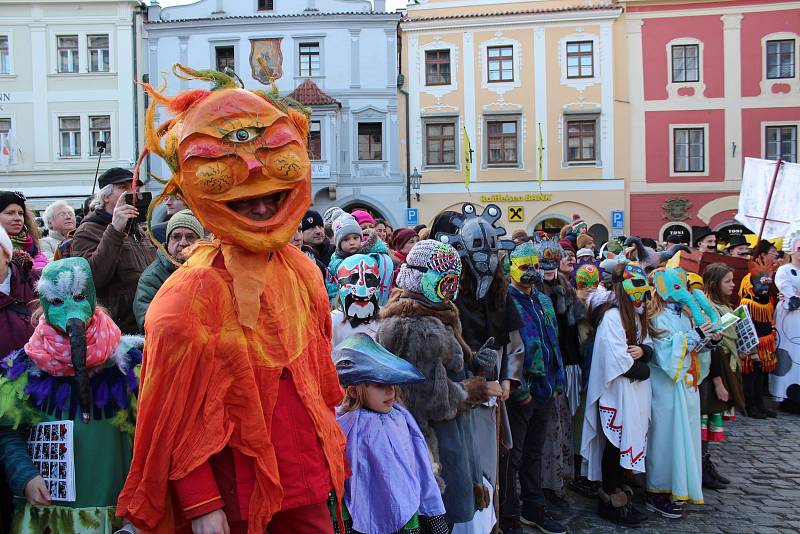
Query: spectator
183	230
60	220
519	236
579	225
117	250
365	220
21	228
314	237
380	229
402	241
585	241
676	239
420	227
17	282
738	247
704	239
173	204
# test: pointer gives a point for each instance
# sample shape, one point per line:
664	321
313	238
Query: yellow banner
467	158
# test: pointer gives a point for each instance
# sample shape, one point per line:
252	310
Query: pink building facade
710	84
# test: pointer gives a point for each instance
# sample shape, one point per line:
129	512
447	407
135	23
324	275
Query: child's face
351	243
380	398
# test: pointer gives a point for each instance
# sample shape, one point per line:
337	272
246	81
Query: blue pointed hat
360	360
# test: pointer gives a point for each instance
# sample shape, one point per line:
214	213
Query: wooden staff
778	164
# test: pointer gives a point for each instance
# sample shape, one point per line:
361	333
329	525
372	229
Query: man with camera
115	246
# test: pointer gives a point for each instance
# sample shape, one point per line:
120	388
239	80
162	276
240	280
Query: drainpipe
400	83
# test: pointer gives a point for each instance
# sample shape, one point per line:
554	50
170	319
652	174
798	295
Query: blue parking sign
412	216
617	219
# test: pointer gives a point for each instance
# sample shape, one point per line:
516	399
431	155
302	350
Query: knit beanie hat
566	244
311	219
583	240
185	219
343	226
401	236
330	215
363	216
585	252
428	253
11	197
5	243
578	223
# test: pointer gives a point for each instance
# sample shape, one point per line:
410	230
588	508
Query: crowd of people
232	371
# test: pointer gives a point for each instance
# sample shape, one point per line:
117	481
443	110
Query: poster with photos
51	448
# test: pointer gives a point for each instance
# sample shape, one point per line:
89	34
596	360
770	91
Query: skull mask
359	286
478	242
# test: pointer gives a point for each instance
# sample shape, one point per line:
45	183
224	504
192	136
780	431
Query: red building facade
710	84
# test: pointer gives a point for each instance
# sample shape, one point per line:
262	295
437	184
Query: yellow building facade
536	91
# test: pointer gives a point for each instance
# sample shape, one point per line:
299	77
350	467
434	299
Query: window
370	138
437	67
100	130
309	59
315	141
501	63
266	5
440	143
689	150
5	55
98	53
502	142
581	141
67	53
780	59
69	131
685	63
225	58
782	141
580	59
5	129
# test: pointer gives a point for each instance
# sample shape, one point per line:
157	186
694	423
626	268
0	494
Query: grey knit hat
344	225
185	219
424	255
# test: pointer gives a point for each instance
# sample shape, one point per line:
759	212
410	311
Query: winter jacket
149	283
117	262
15	321
14	459
48	245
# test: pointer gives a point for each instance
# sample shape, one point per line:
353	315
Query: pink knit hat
363	216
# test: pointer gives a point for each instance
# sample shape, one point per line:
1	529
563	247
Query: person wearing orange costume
236	429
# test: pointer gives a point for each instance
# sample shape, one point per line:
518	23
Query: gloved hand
486	356
794	303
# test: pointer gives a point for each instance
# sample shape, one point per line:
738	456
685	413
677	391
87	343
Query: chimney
154	10
379	6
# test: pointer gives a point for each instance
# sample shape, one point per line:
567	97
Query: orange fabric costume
219	333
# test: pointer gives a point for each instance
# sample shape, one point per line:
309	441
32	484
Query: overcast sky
391	5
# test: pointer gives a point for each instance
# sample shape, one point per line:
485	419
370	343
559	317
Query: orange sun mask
231	146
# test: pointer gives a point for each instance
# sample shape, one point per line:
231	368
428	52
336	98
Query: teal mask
66	291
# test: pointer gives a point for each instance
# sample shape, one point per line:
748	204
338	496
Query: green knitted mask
66	291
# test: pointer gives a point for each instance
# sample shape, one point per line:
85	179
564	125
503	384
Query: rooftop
309	14
543	11
308	93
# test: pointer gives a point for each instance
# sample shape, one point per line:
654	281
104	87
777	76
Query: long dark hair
630	319
712	279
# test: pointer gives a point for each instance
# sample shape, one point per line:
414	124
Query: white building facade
67	71
346	53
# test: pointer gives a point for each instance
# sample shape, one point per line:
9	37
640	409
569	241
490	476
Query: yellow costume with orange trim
239	314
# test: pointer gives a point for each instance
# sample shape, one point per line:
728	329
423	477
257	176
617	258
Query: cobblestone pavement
762	459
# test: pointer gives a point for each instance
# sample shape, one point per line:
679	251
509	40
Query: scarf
24	241
50	351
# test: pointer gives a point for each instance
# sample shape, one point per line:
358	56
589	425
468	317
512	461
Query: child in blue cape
392	488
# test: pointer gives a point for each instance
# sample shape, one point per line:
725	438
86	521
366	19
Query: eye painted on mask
78	298
57	302
243	135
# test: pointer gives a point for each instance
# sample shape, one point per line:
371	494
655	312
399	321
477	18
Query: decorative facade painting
270	65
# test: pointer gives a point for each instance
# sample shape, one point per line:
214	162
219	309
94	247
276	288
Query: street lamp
416	182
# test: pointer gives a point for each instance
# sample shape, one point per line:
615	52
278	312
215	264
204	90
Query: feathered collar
110	387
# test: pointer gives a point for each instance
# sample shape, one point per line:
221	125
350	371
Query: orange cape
208	382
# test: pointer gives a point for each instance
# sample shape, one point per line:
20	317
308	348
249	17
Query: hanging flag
6	150
467	158
540	149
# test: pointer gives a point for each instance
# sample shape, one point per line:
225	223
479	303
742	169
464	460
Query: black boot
709	482
711	469
755	412
617	509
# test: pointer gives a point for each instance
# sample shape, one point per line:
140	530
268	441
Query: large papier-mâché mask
634	282
361	360
359	285
478	242
442	273
549	253
236	145
672	285
66	291
524	263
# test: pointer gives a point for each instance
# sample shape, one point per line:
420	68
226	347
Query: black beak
76	330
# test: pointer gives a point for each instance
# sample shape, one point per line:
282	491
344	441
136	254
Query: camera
101	147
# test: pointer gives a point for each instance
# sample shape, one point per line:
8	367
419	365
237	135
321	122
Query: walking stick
778	164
